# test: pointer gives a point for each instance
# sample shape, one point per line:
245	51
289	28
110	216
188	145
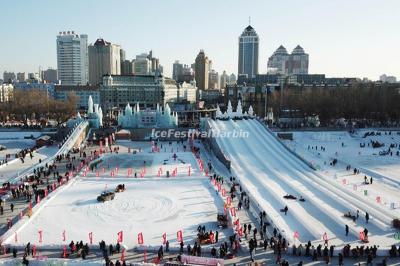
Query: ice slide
268	171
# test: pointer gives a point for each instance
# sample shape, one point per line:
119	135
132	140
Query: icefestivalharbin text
172	133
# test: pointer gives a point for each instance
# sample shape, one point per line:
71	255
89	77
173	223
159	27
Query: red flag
179	236
38	199
362	236
65	252
140	238
164	236
233	211
296	234
40	236
91	237
145	256
122	255
45	192
228	201
63	236
325	237
378	199
34	251
211	237
223	192
120	237
189	171
21	214
241	231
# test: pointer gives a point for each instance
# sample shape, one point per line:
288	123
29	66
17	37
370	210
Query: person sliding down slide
285	210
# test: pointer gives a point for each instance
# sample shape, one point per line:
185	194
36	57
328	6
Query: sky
352	38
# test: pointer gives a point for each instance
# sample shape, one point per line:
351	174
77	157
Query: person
285	209
216	236
12	207
340	259
366	217
347	229
358	214
370	180
365	232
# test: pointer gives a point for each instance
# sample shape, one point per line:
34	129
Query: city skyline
357	40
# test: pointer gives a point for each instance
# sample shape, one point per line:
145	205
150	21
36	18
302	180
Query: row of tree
370	101
37	105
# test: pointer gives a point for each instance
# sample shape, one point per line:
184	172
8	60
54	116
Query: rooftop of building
77	87
249	31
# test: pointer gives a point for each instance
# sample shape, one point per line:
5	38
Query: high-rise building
145	64
298	61
142	64
126	67
201	70
8	77
104	58
224	80
248	52
72	58
21	76
177	70
122	55
280	62
187	74
232	79
50	75
213	80
6	92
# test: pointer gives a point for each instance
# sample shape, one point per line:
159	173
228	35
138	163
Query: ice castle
234	115
94	116
136	118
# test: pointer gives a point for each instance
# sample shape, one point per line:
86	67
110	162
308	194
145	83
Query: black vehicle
106	196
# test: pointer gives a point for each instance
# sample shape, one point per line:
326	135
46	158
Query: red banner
120	237
325	237
40	236
140	238
91	237
233	211
164	236
123	256
179	236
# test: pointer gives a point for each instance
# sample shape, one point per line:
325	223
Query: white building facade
72	58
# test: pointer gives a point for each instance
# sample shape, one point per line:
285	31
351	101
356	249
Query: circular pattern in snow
131	207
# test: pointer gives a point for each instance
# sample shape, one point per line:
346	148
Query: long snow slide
268	172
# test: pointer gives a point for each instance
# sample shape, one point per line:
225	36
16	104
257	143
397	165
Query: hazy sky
343	37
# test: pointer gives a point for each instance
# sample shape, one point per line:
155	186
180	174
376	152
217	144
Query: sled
222	220
120	188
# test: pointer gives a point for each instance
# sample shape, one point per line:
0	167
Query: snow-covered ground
384	170
15	141
152	205
351	152
268	172
14	167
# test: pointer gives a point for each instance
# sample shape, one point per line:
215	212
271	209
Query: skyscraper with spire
248	52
